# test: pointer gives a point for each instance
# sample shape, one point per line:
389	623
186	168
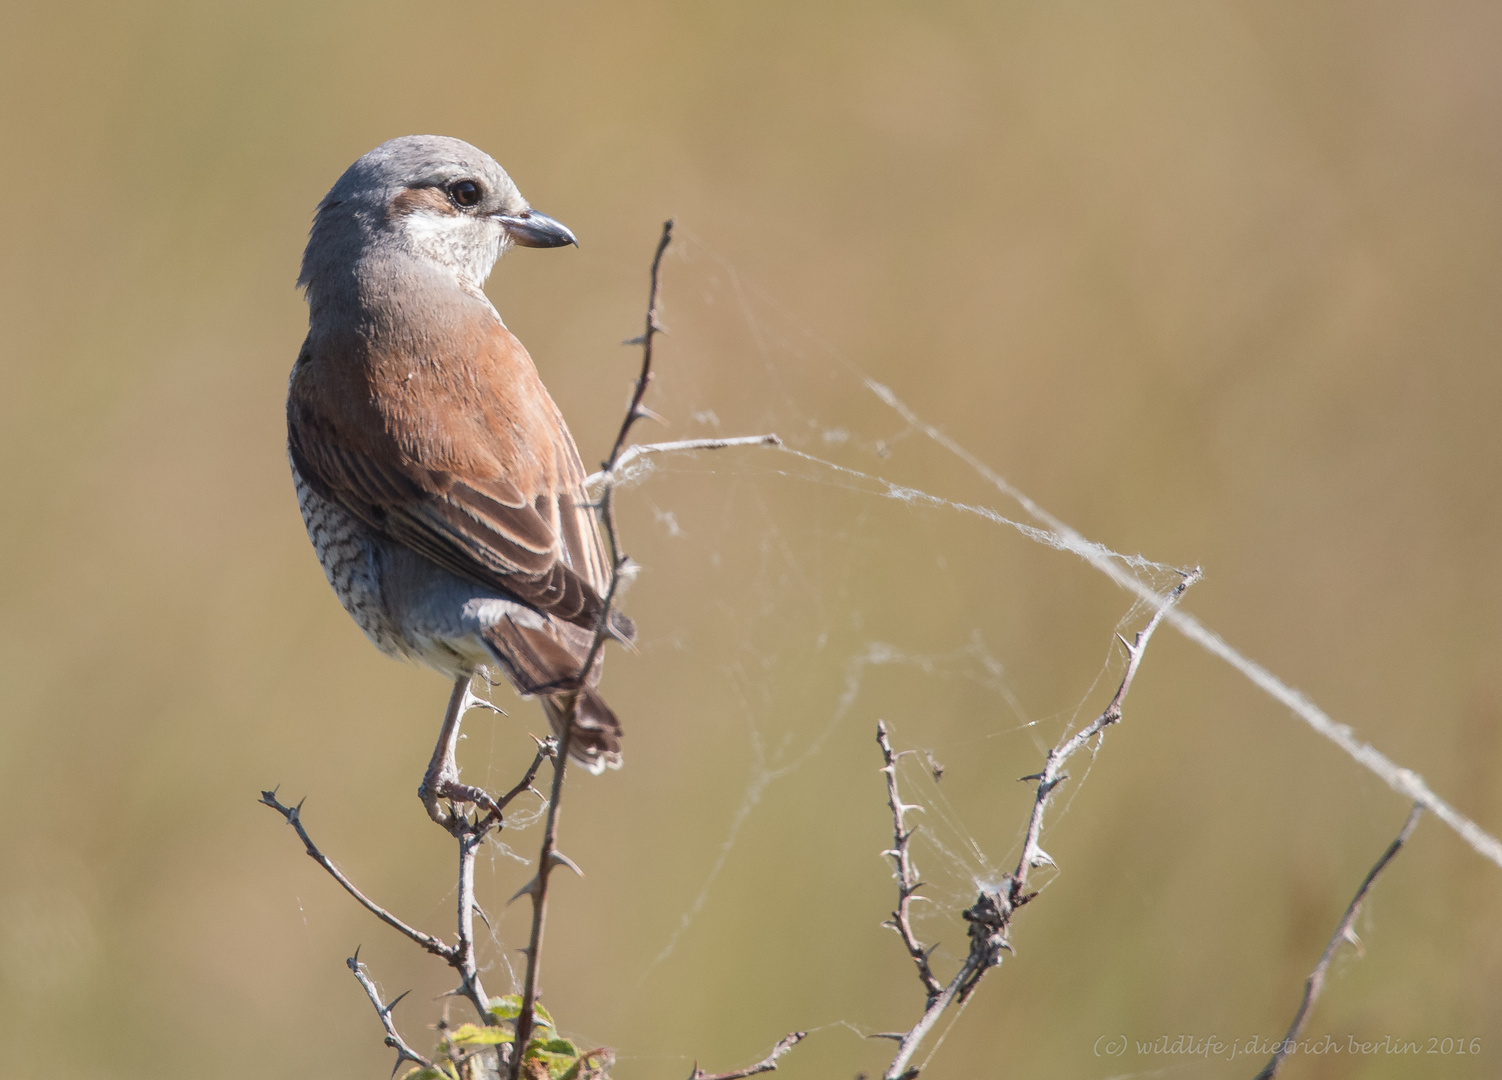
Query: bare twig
1343	932
461	956
618	565
619	561
539	893
471	834
293	814
766	1064
990	916
611	470
1052	775
546	748
634	411
393	1037
596	481
907	874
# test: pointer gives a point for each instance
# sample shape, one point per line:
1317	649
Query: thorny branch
634	411
538	891
1343	932
546	748
393	1038
471	833
990	917
766	1064
907	874
293	814
619	563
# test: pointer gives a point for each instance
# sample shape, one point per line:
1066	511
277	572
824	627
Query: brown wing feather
578	529
464	459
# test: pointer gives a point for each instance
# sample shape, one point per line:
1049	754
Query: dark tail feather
539	664
535	661
596	739
623	629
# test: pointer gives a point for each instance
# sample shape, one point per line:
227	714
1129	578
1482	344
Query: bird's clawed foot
435	794
440	784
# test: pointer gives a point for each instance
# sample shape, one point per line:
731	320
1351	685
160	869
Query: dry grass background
1216	282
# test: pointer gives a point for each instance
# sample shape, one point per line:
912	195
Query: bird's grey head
437	199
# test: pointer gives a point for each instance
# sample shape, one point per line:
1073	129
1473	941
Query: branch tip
1345	931
991	914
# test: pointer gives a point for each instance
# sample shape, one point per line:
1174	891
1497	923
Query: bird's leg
441	781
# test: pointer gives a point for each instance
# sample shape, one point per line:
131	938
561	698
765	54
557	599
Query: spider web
868	568
873	459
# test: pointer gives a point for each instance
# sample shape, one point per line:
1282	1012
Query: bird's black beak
531	229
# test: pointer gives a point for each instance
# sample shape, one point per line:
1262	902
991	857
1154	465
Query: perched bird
437	479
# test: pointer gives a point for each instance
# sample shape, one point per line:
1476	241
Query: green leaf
474	1035
556	1064
509	1007
559	1056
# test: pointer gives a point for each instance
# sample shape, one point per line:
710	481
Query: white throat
461	246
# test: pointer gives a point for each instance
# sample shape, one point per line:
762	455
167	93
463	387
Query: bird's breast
346	550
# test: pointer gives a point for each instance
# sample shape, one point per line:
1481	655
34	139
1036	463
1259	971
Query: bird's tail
544	662
595	742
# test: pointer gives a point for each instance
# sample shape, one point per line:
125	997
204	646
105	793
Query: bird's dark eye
465	192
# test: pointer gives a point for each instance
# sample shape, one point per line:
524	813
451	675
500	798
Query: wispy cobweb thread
1404	781
1144	579
1053	532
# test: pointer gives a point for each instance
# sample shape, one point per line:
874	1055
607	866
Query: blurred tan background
1216	283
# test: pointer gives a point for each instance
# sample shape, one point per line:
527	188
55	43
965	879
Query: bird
438	482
